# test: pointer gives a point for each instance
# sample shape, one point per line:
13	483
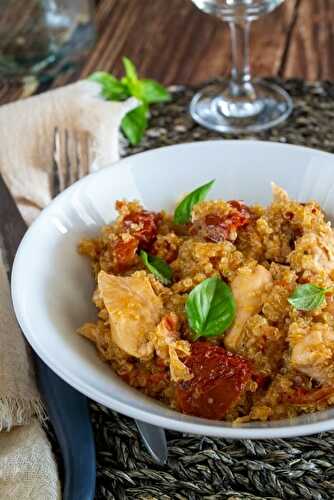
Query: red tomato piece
241	214
219	379
125	253
143	226
302	396
219	228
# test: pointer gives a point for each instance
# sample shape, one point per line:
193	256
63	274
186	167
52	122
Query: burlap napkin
27	467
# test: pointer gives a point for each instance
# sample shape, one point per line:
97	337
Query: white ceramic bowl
52	284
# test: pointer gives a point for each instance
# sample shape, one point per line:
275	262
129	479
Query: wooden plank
174	42
270	37
311	49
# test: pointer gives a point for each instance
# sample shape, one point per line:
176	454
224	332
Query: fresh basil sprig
308	297
182	213
210	308
157	266
146	91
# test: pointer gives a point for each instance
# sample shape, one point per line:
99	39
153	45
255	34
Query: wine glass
240	104
42	37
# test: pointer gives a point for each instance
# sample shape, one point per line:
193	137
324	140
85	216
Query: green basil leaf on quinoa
157	266
210	308
308	297
182	213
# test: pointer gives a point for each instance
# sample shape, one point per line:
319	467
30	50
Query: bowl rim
283	429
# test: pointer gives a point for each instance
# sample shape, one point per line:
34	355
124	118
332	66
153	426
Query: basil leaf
307	297
151	92
134	124
130	72
157	266
210	308
182	213
147	91
111	88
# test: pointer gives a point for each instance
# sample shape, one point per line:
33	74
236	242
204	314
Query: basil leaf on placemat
112	89
210	308
130	71
134	124
182	213
146	91
157	266
153	92
308	297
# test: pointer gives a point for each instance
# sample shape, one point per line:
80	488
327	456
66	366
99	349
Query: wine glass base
274	105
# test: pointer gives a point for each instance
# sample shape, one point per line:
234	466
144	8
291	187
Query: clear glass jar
40	37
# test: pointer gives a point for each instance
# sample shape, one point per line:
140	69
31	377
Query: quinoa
290	352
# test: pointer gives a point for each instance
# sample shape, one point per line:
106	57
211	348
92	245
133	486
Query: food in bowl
221	310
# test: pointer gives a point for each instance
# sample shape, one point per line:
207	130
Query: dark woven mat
206	468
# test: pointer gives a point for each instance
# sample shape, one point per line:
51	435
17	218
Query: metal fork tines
70	159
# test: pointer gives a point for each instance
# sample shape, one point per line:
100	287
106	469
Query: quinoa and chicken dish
219	310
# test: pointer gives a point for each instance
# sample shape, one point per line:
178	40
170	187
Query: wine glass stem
240	55
239	99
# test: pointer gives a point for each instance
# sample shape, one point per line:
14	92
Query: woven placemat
207	468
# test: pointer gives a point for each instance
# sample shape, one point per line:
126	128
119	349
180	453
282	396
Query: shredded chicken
279	194
90	331
312	350
134	311
168	346
314	253
248	289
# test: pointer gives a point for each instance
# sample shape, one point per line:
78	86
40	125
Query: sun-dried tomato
219	380
125	253
302	396
241	214
143	226
218	228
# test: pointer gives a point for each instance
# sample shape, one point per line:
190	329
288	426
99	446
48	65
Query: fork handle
69	414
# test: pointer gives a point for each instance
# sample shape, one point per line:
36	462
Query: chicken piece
314	253
134	311
168	346
248	288
312	350
89	331
279	194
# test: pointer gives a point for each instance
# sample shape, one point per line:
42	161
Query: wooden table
173	42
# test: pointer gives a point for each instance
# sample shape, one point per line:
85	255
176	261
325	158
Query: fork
71	158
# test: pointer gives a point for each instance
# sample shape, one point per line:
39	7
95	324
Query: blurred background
173	42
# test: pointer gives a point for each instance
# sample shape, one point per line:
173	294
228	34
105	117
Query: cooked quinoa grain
275	361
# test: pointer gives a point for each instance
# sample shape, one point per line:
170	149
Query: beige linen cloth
27	466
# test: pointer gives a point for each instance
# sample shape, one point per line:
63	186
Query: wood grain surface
173	42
